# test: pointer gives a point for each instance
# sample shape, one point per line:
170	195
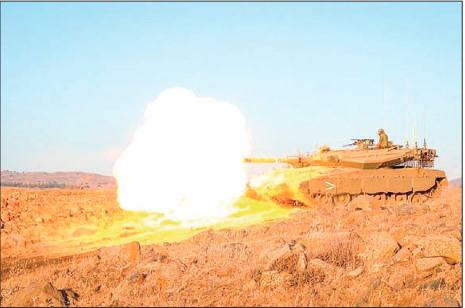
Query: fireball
185	160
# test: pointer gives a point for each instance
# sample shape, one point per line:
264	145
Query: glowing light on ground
185	160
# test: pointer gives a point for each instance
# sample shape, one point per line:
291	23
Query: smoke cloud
185	160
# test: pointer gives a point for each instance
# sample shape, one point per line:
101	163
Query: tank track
415	198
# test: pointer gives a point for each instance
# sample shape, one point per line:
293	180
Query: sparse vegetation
340	252
326	256
44	185
62	180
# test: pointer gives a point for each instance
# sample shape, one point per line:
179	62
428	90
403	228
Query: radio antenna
406	116
385	108
424	127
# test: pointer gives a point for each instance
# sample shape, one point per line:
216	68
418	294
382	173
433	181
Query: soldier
383	139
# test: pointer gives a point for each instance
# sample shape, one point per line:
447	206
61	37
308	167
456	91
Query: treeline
53	184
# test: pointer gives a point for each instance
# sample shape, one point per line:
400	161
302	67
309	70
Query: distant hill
56	179
456	182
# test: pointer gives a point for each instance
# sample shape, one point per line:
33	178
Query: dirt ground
78	248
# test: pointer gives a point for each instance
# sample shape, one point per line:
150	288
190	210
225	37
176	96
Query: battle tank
394	174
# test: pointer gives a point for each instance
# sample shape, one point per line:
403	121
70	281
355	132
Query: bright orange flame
186	159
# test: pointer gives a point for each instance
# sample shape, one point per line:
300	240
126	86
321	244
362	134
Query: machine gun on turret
361	143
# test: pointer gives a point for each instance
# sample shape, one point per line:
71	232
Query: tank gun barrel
272	160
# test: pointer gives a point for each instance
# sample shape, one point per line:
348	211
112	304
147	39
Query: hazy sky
76	77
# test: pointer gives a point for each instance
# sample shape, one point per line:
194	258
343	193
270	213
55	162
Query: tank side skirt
403	181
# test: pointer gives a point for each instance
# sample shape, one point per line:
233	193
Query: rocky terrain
365	254
77	179
456	183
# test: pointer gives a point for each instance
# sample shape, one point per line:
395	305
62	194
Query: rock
404	209
4	215
236	235
429	264
235	250
141	278
320	264
356	218
320	243
136	277
379	265
355	273
69	297
270	256
379	245
169	271
284	255
454	232
370	287
457	234
432	284
147	263
129	253
402	276
133	276
402	256
442	268
362	202
430	246
41	294
111	252
274	279
328	269
378	217
442	302
158	253
302	256
83	231
251	285
14	240
208	238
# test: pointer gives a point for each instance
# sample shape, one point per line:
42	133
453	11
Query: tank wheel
424	198
380	197
416	198
391	198
324	200
432	192
310	198
400	198
342	199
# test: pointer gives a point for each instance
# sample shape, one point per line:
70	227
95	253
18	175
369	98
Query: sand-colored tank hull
393	173
400	184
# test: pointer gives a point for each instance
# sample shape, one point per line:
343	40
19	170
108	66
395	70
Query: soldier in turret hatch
383	139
